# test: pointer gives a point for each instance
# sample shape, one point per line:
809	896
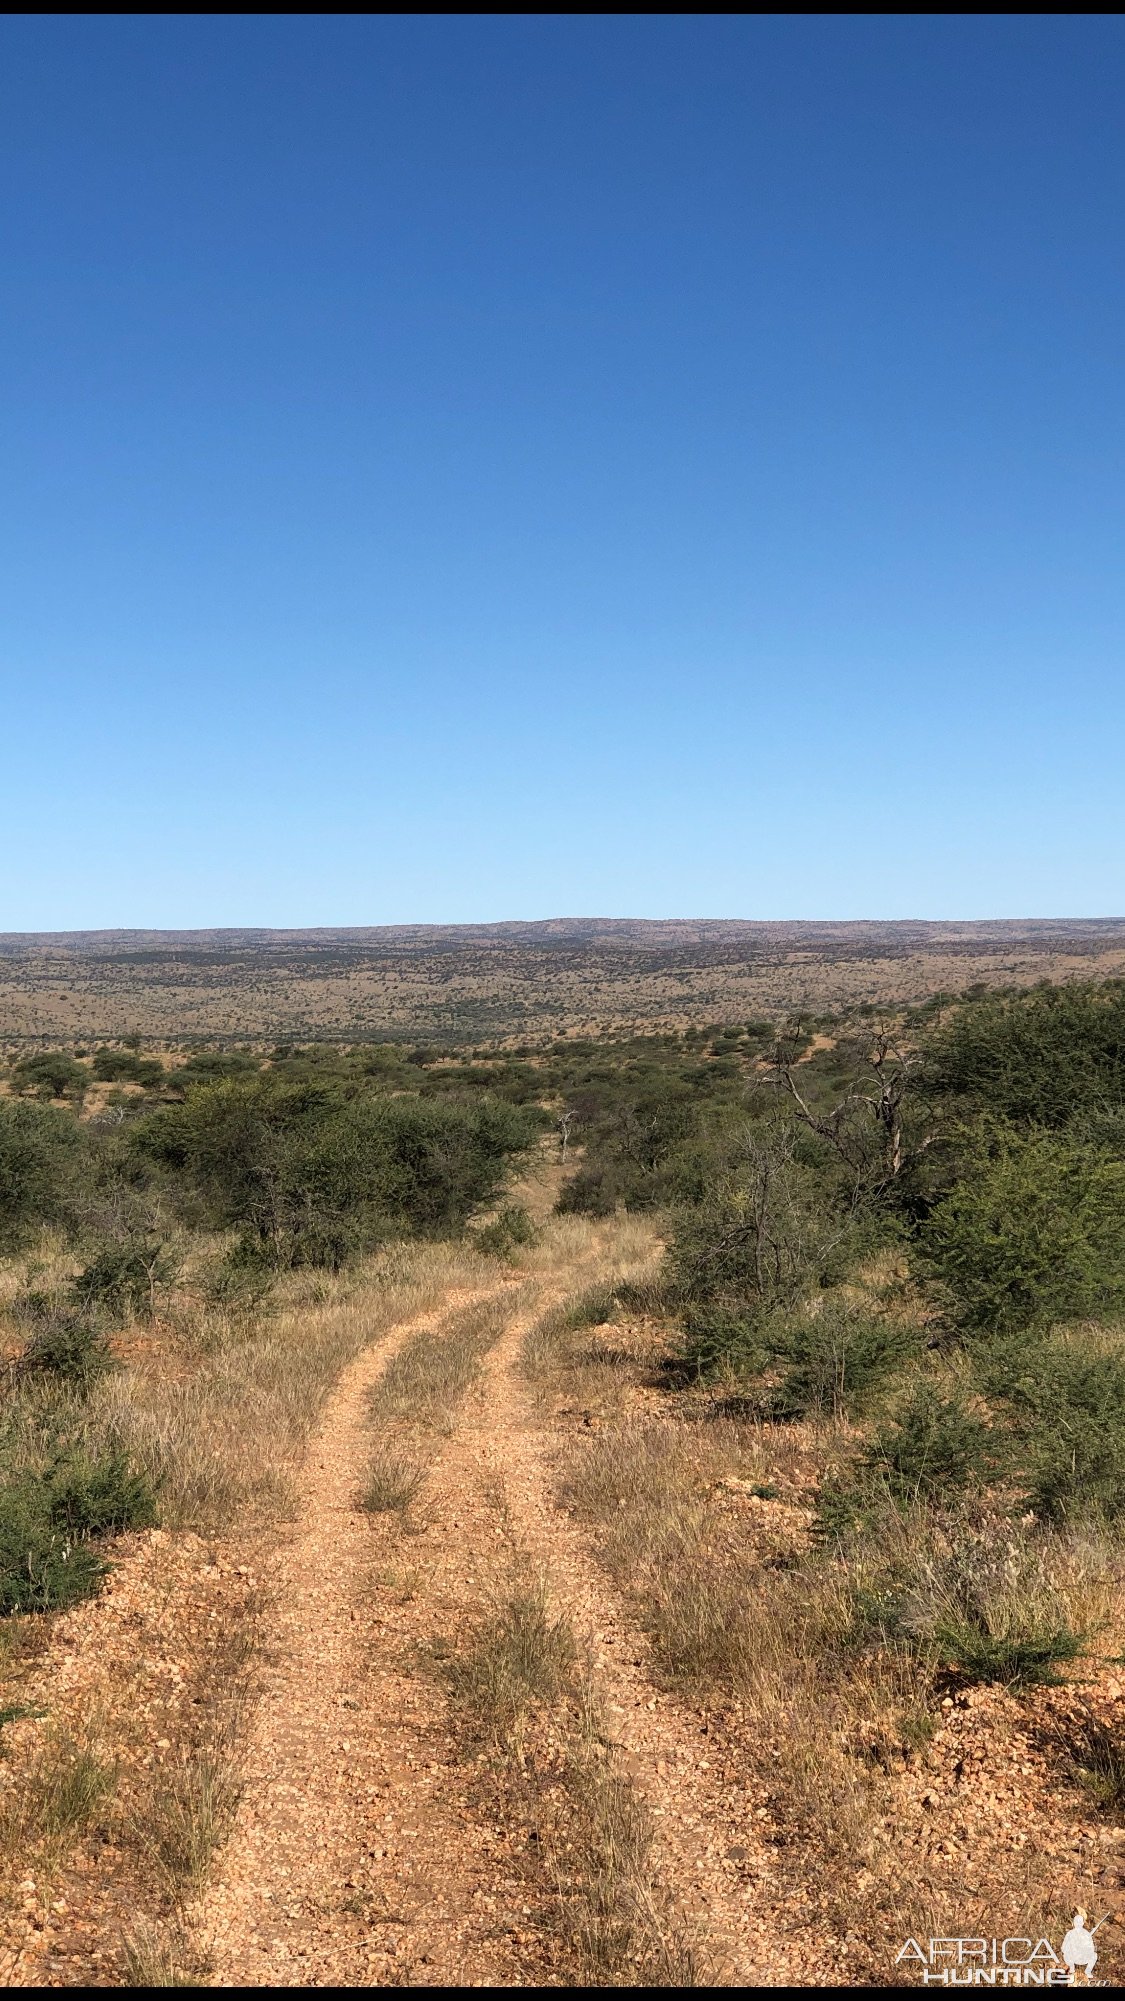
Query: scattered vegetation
891	1305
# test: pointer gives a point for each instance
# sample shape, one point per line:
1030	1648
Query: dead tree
844	1126
563	1125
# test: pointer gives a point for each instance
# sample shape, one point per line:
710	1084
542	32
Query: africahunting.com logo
1004	1962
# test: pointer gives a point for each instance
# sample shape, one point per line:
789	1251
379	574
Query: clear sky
516	467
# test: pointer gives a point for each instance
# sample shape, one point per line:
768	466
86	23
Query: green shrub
984	1600
211	1066
123	1066
511	1230
315	1174
41	1568
1017	1659
39	1152
124	1274
933	1447
242	1280
764	1231
53	1074
94	1496
1037	1058
1068	1399
1035	1232
719	1341
845	1507
839	1358
65	1343
48	1518
593	1191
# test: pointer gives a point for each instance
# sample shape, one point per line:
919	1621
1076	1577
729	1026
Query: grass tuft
392	1481
189	1815
522	1656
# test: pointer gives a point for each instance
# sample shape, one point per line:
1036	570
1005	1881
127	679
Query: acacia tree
865	1128
763	1233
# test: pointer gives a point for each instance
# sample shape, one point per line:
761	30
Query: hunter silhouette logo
1005	1962
1078	1948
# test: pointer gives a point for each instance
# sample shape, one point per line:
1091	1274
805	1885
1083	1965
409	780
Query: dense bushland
312	1174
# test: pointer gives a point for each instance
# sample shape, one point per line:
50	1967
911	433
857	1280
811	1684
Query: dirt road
361	1854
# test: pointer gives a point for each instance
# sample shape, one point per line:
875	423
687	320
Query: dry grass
823	1658
188	1804
522	1656
60	1794
586	1347
220	1432
160	1955
393	1478
521	1690
215	1403
623	1248
190	1813
415	1402
609	1900
424	1384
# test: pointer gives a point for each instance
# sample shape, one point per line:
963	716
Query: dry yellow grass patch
224	1434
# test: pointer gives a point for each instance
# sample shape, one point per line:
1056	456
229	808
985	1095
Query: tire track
714	1911
291	1906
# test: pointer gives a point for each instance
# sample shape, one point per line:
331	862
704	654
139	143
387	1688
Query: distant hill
483	982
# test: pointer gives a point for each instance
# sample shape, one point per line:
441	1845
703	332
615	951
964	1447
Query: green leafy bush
718	1340
1068	1399
124	1274
40	1150
511	1230
211	1066
1018	1659
124	1066
1034	1232
99	1495
1037	1058
932	1448
65	1343
48	1518
52	1074
315	1173
838	1359
41	1568
763	1233
593	1191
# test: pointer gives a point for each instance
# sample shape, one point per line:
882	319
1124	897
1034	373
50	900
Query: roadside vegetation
888	1331
854	1452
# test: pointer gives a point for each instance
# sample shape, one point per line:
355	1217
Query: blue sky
470	469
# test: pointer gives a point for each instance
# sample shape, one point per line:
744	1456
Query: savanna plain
558	1477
